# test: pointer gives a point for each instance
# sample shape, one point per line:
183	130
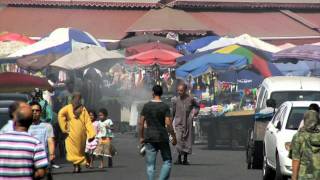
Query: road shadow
205	165
119	166
82	172
221	149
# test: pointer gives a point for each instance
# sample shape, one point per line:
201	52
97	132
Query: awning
259	24
38	22
168	20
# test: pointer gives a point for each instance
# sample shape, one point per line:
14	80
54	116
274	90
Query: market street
205	165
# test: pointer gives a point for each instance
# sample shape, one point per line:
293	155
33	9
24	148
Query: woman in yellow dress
75	121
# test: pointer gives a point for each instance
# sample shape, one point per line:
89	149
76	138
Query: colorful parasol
255	58
12	42
148	46
16	37
160	57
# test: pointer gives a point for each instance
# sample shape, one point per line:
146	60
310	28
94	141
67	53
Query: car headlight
287	145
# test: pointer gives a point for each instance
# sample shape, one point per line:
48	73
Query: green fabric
310	121
244	52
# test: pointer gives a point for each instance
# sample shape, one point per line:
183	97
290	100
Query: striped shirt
20	155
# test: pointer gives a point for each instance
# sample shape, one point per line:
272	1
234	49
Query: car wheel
267	172
279	175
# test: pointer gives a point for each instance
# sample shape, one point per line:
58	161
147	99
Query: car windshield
281	97
295	117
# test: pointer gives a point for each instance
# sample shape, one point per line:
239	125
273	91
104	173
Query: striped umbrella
306	52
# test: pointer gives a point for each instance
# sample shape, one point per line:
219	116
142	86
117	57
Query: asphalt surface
205	165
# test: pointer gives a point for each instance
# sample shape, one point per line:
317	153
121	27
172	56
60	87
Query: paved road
206	165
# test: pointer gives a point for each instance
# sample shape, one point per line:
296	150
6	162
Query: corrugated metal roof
87	3
168	20
256	1
260	24
247	4
313	17
299	41
38	22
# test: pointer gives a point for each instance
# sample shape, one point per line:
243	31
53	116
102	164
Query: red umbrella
160	57
149	46
16	37
17	82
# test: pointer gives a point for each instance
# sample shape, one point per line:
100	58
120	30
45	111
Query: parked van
288	88
278	89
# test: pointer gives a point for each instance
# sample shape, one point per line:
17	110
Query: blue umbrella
216	62
59	41
245	78
190	57
197	43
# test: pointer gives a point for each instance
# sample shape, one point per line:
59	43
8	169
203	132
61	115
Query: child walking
105	135
91	146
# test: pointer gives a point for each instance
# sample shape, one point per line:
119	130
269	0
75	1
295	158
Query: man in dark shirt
155	124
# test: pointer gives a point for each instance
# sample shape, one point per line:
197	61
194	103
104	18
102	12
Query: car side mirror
278	125
271	103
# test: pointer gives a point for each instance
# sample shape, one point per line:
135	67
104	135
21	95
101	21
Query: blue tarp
299	69
274	69
196	44
215	62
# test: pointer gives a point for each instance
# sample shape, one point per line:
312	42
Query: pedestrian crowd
28	144
28	141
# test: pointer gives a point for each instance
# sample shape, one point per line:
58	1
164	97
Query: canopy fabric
211	62
245	40
192	46
81	57
190	57
303	52
148	46
9	47
140	39
168	20
257	61
244	78
314	67
58	42
254	42
222	42
17	82
160	57
286	46
16	37
37	62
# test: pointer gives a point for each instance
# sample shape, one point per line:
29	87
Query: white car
278	137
